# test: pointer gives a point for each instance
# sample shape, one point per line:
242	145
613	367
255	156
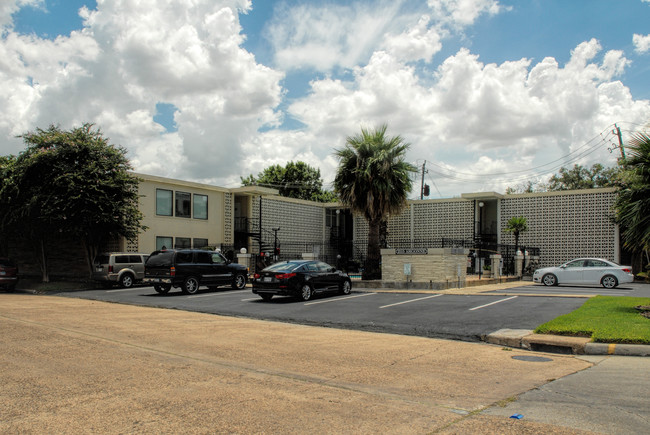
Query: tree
576	178
633	201
73	183
582	178
373	179
516	225
295	180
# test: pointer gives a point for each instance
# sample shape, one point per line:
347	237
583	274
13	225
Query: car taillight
172	271
285	275
626	270
110	269
257	276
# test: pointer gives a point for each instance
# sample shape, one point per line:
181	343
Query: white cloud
129	57
480	118
462	13
323	37
466	116
641	43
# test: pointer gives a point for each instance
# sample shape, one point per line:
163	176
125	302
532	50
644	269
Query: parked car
585	271
8	274
121	268
190	269
301	278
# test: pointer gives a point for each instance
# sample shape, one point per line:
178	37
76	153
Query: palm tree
516	225
373	179
633	201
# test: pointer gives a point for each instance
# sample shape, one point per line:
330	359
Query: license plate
268	279
99	269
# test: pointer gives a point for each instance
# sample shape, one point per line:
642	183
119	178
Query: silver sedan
585	271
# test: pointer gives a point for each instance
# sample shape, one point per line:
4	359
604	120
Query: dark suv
191	268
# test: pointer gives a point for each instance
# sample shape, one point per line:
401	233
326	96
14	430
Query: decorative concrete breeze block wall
438	266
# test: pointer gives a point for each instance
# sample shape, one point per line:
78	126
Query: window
163	243
218	259
121	259
183	242
200	243
203	257
183	204
164	199
200	206
184	257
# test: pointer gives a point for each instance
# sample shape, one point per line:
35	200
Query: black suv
191	268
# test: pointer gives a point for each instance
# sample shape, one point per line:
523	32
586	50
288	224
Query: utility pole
422	184
617	132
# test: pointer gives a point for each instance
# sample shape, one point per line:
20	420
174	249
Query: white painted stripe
492	303
411	300
251	299
226	293
339	299
132	289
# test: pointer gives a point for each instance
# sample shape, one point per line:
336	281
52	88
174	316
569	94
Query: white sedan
585	271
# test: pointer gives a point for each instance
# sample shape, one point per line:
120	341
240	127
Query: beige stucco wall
212	229
436	265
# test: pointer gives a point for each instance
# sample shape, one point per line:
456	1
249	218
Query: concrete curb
526	339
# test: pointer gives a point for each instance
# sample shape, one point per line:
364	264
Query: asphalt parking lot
455	315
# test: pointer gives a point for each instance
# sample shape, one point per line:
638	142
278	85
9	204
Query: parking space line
492	303
340	299
205	295
411	300
132	289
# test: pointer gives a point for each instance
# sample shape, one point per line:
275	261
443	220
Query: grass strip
606	319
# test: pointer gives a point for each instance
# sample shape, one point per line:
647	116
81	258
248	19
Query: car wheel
126	280
609	281
162	289
306	292
191	285
346	287
239	282
266	296
549	279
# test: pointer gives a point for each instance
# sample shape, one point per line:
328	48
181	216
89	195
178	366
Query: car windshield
288	266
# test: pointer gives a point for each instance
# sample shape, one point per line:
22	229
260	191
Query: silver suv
123	268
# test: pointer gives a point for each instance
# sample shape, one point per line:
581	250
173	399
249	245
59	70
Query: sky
489	94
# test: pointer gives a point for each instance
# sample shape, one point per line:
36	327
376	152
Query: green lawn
607	319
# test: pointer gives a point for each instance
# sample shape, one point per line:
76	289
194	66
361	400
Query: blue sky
490	93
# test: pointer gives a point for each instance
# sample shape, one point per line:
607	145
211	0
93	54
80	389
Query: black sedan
301	278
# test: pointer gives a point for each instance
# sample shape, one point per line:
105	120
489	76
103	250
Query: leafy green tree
576	178
373	179
74	183
6	173
516	225
633	202
580	177
295	180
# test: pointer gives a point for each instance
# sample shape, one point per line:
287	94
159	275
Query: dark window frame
171	203
185	203
194	197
